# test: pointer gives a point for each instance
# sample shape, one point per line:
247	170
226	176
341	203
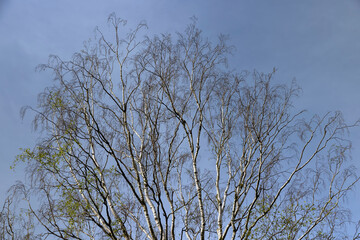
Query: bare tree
156	139
15	221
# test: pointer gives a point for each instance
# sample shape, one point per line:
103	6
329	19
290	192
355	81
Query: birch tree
155	138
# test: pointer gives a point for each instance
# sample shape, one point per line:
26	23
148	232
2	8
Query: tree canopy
155	138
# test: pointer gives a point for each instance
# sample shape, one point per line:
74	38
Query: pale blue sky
315	41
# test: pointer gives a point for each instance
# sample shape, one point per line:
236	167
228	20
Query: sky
315	42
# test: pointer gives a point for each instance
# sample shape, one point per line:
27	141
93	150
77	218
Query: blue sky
316	42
